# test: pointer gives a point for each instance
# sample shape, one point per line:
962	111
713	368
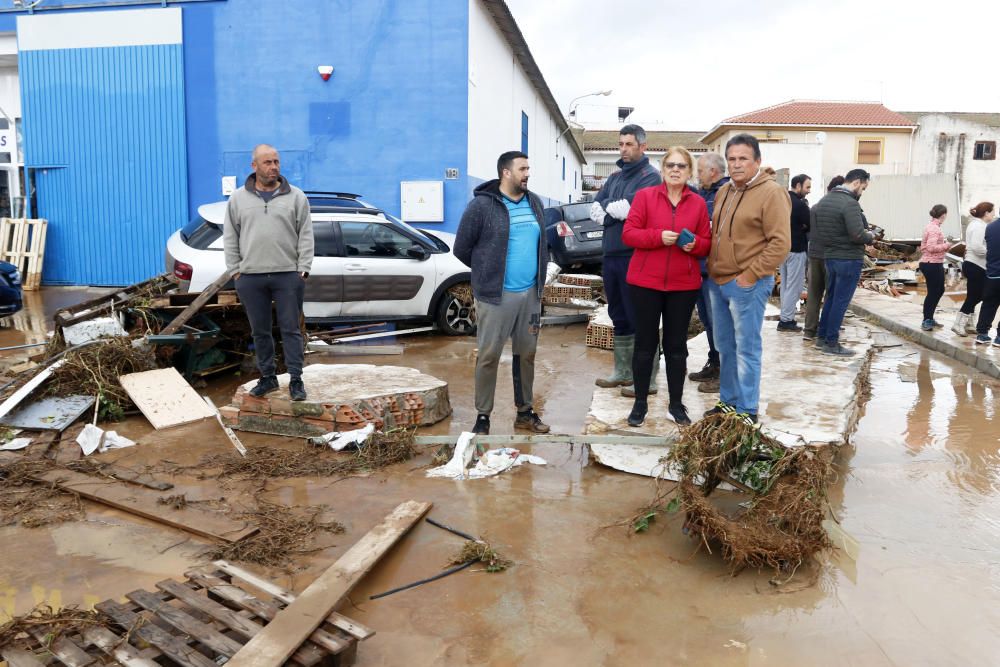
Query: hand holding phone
685	237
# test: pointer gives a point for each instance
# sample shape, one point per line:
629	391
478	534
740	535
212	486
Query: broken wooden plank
14	399
15	657
354	350
185	622
109	301
133	477
68	653
113	646
340	621
196	305
164	397
266	610
173	647
225	429
143	503
293	625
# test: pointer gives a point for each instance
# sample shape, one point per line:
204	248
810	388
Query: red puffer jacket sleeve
638	232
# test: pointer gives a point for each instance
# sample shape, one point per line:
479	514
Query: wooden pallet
183	300
22	243
201	622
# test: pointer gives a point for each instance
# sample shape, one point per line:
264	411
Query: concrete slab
902	316
807	397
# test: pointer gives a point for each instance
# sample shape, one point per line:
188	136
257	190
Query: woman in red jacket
668	227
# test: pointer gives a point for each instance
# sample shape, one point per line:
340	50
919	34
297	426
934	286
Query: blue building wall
395	109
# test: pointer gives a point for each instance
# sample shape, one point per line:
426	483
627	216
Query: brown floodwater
919	489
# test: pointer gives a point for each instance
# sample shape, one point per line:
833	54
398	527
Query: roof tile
805	112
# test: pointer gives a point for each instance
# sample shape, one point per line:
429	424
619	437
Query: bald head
266	166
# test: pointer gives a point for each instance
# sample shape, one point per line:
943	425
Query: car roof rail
353	211
345	195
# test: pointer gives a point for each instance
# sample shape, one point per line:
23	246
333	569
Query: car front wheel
456	313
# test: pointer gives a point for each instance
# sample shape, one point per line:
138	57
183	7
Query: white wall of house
797	159
946	145
499	91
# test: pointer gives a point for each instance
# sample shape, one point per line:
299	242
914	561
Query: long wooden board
165	398
203	298
142	502
279	639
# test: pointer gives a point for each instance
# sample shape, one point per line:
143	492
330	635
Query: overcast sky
688	65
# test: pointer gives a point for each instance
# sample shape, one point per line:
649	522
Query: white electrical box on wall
228	185
422	201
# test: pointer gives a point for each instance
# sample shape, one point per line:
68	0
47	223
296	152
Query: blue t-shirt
522	248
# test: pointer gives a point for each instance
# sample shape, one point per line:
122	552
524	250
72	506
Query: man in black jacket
610	208
793	269
502	239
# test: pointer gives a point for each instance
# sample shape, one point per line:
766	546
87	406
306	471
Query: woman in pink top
932	250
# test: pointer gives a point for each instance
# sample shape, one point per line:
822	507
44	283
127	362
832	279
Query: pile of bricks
600	330
570	286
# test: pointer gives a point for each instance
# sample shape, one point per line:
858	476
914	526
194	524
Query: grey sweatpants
286	289
793	277
518	317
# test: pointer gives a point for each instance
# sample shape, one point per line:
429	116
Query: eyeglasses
674	165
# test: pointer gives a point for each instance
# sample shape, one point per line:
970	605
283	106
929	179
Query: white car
368	265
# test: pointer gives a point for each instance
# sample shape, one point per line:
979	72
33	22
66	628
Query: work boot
297	389
622	374
709	386
961	325
482	426
709	371
638	414
970	324
265	385
531	421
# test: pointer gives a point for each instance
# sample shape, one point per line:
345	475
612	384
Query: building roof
607	140
988	119
815	113
508	27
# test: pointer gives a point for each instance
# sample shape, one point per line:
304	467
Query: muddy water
919	489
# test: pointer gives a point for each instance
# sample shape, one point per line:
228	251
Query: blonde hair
683	152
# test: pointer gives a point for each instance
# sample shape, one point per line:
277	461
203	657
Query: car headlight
15	277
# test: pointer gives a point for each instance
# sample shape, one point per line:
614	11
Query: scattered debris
225	429
52	623
165	398
338	441
177	502
492	462
94	370
26	502
481	551
88	330
50	413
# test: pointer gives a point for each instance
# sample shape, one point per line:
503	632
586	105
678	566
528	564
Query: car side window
372	239
324	239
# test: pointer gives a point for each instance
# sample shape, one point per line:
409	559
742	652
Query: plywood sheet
165	398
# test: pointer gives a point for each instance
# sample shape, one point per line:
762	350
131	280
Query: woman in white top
974	266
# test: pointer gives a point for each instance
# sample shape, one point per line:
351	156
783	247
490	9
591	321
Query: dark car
574	239
10	289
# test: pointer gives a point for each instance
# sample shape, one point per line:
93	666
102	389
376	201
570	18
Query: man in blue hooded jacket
610	208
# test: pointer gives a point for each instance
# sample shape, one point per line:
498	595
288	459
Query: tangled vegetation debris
54	623
30	503
483	552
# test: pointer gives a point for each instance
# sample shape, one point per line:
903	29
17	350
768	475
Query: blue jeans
737	318
705	315
842	277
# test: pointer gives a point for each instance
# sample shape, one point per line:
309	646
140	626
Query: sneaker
936	324
720	409
638	413
482	426
996	341
709	371
750	418
982	339
820	344
297	389
927	325
791	326
709	386
679	413
808	335
839	350
531	421
265	385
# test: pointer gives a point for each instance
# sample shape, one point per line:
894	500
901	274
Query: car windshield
200	233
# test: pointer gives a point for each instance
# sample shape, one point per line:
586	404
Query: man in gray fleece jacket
268	240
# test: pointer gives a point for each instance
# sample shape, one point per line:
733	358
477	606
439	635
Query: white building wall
946	145
499	91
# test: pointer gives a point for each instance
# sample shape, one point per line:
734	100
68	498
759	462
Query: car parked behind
574	239
11	297
368	265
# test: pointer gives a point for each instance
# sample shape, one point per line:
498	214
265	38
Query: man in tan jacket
750	239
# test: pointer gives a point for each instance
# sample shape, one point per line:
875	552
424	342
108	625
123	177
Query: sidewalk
903	317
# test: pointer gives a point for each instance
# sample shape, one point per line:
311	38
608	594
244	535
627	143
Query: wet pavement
919	488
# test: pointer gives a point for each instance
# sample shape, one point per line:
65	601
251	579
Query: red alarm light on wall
325	71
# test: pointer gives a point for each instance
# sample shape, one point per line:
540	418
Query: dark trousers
674	310
616	291
816	290
991	302
705	315
841	281
285	289
975	283
934	275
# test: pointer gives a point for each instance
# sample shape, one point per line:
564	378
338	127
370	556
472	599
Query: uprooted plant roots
31	503
782	526
52	622
379	451
93	370
483	552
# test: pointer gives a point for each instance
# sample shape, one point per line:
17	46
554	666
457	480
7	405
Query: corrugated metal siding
105	130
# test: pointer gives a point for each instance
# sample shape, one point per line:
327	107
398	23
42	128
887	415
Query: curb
930	341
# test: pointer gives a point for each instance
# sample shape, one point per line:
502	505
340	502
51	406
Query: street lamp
605	93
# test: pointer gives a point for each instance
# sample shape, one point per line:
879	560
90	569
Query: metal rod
20	347
442	575
452	530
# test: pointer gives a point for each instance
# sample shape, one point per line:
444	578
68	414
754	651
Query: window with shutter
869	151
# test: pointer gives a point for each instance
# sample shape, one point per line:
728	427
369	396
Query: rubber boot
629	391
970	324
961	324
622	375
